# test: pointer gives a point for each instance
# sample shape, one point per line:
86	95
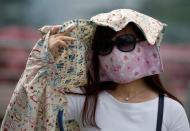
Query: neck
137	87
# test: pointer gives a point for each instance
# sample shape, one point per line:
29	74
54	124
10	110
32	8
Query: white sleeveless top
113	115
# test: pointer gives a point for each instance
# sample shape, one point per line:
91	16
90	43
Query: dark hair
94	86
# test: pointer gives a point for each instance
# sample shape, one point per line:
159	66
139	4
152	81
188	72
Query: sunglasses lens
126	43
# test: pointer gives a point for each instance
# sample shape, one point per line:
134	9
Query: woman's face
128	58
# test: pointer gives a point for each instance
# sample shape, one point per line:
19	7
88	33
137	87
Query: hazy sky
58	11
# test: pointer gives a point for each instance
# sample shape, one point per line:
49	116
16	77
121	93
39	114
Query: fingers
55	29
66	32
66	38
61	43
55	40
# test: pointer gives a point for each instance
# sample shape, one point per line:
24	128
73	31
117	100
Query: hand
60	40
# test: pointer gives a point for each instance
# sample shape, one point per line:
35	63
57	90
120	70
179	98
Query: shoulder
172	105
175	115
173	108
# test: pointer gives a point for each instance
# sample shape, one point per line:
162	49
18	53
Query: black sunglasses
124	43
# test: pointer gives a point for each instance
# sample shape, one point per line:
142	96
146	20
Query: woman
123	90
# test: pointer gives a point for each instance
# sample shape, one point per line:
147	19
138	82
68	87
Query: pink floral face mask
124	67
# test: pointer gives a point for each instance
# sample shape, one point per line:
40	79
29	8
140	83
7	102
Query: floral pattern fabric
118	19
